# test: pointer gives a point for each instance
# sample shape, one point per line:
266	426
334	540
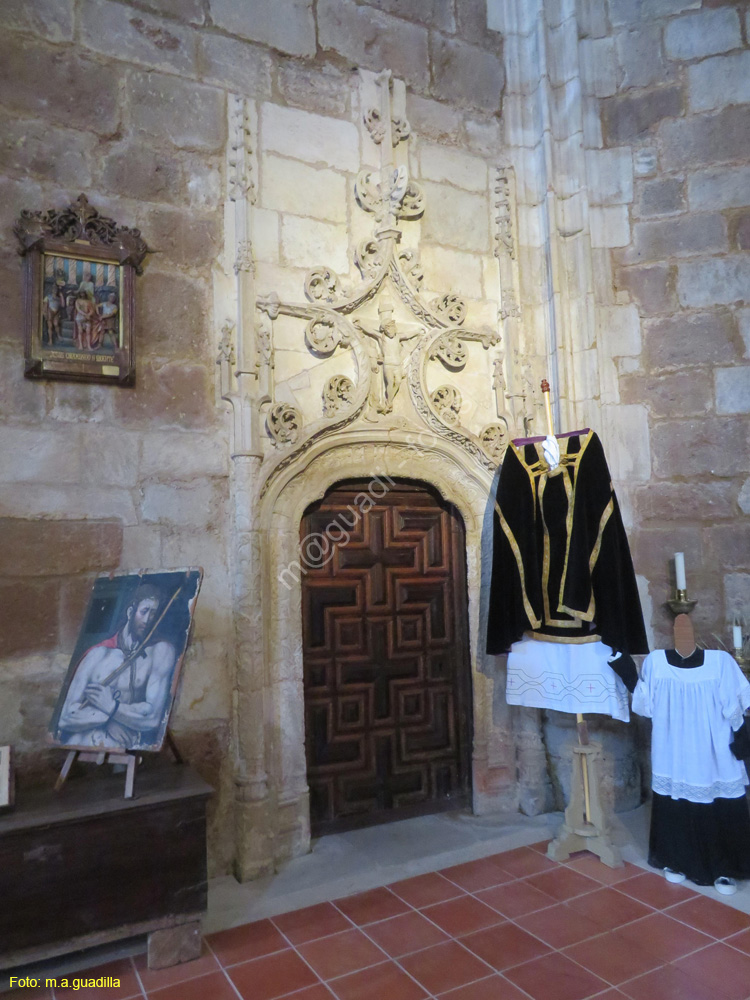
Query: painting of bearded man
119	690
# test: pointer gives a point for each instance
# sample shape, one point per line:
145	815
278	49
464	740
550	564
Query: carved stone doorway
385	647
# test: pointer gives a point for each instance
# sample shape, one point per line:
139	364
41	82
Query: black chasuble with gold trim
561	568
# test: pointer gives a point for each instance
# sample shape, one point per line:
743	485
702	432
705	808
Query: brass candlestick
680	604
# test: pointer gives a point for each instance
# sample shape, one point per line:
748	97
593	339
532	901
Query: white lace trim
663	785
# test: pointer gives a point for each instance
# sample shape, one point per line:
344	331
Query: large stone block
105	465
79	404
610	176
627	12
185	239
672	502
86	96
178	394
194	505
483	136
683	394
50	19
730	545
88	502
11	276
744	497
682	237
705	33
732	389
58	548
625	434
135	169
618	331
705	338
450	269
631	116
324	90
639	53
433	120
652	287
598	66
711	446
239	66
740	230
173	455
441	163
29	455
722	80
291	186
436	13
30	616
42	150
610	225
654	547
466	75
662	197
716	281
727	187
188	115
189	11
737	593
140	37
311	138
21	400
289	29
373	40
705	139
456	218
308	243
173	316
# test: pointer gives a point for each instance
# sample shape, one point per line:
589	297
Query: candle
679	570
737	636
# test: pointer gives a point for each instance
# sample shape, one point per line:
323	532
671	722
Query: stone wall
127	102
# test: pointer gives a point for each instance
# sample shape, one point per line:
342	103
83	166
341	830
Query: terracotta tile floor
510	927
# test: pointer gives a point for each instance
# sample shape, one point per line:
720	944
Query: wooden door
386	666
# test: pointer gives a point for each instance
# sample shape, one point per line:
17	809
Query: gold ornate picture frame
79	301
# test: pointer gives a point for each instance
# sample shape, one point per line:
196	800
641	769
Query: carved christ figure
390	359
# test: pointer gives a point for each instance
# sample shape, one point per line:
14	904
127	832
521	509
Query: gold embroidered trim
533	620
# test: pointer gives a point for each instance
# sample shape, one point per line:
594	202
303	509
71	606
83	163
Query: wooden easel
584	827
129	758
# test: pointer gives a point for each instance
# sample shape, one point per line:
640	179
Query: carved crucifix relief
390	355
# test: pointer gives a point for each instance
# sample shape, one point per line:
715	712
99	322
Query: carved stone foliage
337	394
239	175
399	198
323	285
495	438
244	260
375	125
447	401
504	234
81	221
284	423
450	351
451	308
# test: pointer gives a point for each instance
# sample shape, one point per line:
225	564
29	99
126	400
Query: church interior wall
628	128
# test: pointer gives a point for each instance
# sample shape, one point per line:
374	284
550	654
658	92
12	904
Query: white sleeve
734	691
642	701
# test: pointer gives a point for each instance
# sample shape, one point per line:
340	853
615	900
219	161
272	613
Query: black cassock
561	567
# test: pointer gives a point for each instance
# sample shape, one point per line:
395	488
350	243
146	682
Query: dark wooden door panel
387	688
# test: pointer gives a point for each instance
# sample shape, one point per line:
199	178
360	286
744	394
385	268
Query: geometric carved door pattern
385	645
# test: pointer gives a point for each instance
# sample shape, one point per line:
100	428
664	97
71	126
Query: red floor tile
476	875
609	908
271	976
375	904
158	979
319	992
710	916
667	983
341	953
559	926
741	941
423	890
493	988
523	861
515	899
727	970
665	938
613	957
215	985
384	982
122	970
311	922
462	916
28	994
238	944
555	977
444	967
504	946
402	935
654	890
540	846
563	883
589	864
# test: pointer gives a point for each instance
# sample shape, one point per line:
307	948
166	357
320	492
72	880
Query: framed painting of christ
122	680
79	298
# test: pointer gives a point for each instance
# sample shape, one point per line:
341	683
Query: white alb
694	711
